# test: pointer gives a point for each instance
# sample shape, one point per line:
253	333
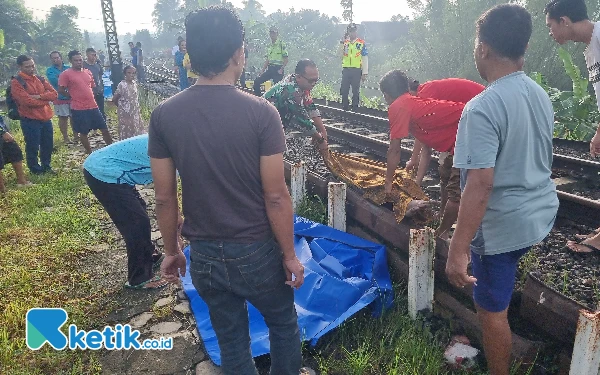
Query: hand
456	266
595	145
7	137
411	165
280	71
293	267
364	77
35	96
172	266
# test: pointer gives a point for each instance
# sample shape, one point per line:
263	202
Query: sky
137	14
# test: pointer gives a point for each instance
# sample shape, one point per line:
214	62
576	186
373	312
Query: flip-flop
586	236
591	247
156	264
145	283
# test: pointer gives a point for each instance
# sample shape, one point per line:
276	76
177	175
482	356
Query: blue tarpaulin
343	274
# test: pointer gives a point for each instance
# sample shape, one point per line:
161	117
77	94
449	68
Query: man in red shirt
455	90
434	124
33	95
77	83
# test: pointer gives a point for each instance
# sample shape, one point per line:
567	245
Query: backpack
11	104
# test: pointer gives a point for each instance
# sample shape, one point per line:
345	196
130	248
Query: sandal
592	248
157	282
159	259
586	236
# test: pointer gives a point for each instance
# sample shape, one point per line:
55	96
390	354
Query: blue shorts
495	276
86	120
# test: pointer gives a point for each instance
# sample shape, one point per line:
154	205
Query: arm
167	210
365	62
473	205
320	126
393	159
63	91
423	164
49	94
265	66
285	62
416	155
278	204
23	98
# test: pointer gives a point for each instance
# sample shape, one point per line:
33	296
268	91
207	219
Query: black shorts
10	152
86	120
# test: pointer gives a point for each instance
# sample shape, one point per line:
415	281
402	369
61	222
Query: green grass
313	208
45	231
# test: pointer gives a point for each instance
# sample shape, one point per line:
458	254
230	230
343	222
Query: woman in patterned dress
128	106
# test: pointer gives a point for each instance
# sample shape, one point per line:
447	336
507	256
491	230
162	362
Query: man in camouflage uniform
291	97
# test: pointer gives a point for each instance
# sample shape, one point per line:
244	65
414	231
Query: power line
94	19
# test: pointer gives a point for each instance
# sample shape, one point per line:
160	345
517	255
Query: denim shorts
86	120
495	276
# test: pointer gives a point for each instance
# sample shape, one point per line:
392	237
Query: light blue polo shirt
123	162
509	127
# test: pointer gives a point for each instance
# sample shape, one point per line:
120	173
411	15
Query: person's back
218	134
524	196
453	89
228	149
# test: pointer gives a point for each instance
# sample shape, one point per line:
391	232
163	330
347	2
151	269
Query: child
10	152
126	99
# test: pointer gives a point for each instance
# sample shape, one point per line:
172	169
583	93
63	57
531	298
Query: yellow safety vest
276	53
353	53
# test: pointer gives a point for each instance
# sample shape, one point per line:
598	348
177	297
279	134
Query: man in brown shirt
228	149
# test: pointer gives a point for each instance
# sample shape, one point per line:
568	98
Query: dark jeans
271	73
99	98
350	77
226	275
39	139
128	211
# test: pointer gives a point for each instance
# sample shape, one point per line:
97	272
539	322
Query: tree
143	36
17	22
398	18
58	31
347	15
252	11
165	13
86	39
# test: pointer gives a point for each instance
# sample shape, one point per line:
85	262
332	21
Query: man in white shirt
568	20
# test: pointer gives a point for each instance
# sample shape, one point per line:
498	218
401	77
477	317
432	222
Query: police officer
354	65
277	59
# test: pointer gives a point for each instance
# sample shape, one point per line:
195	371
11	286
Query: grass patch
313	208
45	230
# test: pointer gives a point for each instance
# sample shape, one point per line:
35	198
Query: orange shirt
433	122
33	109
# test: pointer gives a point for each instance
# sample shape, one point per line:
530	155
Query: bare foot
586	236
583	247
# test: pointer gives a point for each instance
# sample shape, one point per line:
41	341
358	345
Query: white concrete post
586	350
336	208
298	184
421	250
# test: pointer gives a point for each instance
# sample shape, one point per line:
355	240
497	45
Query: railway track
569	278
366	132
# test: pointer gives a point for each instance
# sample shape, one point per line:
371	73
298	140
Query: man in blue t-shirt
112	173
504	150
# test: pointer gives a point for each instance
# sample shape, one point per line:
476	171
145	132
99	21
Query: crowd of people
226	146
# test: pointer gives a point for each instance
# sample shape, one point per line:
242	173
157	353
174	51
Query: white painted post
586	350
336	197
298	183
421	250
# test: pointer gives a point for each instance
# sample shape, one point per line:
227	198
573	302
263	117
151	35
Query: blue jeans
226	275
39	138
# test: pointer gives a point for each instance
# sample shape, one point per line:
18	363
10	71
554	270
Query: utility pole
112	43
